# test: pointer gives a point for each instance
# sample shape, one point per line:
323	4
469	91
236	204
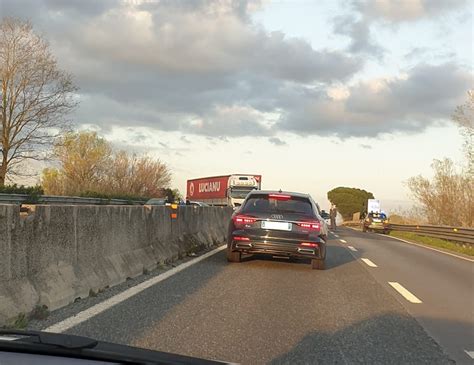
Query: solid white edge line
405	293
470	353
430	248
368	262
352	248
343	241
80	317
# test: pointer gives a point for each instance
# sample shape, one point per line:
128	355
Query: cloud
198	67
426	95
359	33
407	10
277	141
205	67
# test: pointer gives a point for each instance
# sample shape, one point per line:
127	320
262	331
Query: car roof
292	193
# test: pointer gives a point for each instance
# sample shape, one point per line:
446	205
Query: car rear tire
234	256
318	264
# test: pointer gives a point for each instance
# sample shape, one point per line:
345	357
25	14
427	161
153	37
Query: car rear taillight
310	225
239	238
309	244
243	220
279	196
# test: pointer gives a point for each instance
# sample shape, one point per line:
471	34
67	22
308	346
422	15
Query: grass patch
435	242
20	322
39	312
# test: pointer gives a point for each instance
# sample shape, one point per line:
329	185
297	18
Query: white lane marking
470	353
4	338
343	241
336	235
405	293
352	248
116	299
369	263
431	248
331	232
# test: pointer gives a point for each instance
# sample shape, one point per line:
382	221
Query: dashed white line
352	248
336	235
369	263
470	353
116	299
343	241
405	293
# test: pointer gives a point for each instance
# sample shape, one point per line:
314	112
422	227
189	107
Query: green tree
88	166
349	200
84	159
173	195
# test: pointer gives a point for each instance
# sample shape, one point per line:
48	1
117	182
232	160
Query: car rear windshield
377	215
266	204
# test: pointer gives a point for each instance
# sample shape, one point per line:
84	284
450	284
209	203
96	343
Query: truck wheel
234	256
318	264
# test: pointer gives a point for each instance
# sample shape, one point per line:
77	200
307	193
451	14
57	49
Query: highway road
379	301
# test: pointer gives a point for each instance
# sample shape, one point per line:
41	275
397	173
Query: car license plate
281	226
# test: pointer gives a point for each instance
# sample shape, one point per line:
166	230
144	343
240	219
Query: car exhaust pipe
306	251
243	245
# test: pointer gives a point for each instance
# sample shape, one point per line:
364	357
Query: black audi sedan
276	223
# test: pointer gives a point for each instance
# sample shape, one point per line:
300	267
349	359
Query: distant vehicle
228	190
373	205
376	222
36	347
279	224
198	204
157	201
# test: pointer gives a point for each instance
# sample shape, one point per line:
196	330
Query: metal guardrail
63	200
458	234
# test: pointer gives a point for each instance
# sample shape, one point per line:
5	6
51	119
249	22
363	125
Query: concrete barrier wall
60	253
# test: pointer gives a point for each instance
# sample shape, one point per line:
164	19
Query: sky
310	94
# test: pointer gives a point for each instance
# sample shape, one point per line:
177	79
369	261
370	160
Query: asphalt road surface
380	301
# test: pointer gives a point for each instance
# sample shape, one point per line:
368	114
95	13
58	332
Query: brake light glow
279	196
310	225
309	244
239	238
243	219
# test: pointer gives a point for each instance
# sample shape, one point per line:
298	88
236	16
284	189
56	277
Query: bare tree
35	96
447	198
137	176
464	117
